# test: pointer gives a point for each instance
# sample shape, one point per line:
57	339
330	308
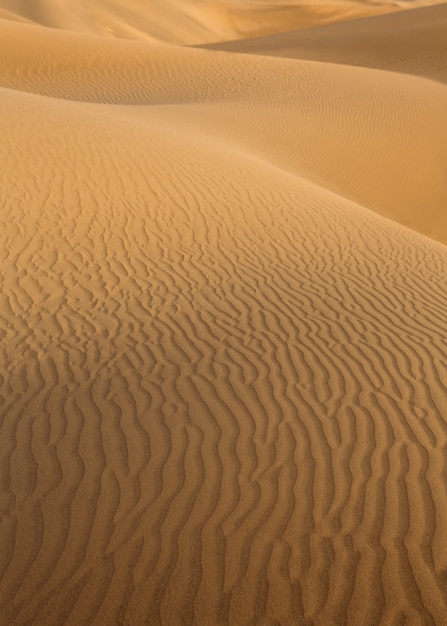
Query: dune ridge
307	129
195	21
223	367
409	42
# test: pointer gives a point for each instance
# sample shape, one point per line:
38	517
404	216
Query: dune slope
376	137
193	21
411	42
223	393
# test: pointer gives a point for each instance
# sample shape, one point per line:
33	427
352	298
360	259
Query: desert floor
223	318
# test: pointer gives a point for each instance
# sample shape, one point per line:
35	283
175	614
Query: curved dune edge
410	42
195	21
319	121
223	393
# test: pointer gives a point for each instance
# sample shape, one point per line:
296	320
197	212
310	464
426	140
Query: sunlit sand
223	313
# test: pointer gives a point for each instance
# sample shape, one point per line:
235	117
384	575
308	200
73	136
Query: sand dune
223	367
318	121
195	21
412	42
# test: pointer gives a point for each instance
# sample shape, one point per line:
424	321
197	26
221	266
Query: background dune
194	21
223	367
411	42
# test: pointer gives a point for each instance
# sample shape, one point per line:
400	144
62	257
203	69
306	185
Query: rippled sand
223	356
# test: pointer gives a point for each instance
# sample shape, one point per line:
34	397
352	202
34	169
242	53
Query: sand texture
410	42
223	319
194	21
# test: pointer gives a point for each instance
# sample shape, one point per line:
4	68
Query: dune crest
194	21
223	335
410	42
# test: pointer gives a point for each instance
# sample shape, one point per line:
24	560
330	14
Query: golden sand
223	313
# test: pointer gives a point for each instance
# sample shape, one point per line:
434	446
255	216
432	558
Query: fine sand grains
223	376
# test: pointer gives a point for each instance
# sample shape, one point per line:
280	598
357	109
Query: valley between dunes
223	319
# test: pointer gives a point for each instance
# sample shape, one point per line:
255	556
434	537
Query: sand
223	316
194	21
410	42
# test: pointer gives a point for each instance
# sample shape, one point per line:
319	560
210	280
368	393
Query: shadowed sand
412	42
223	331
194	21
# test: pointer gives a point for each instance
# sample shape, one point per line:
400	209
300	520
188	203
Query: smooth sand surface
411	42
223	329
195	21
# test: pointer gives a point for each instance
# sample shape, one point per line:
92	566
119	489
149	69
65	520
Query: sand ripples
223	395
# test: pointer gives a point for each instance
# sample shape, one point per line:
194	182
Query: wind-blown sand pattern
223	330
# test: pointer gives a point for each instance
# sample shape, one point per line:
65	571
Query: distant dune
411	42
194	21
223	315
